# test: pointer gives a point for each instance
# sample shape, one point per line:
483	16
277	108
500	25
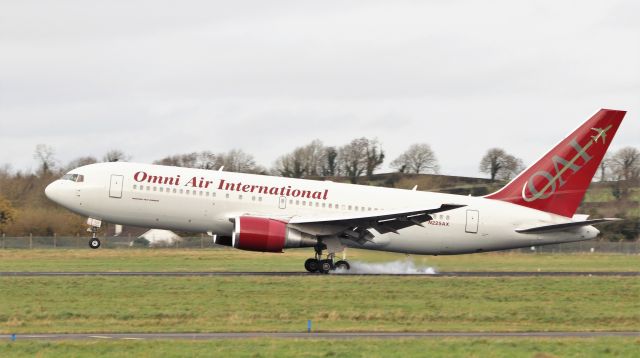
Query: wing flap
356	225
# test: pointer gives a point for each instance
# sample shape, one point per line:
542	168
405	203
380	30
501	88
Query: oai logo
549	182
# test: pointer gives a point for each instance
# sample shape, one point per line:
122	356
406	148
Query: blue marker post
13	337
308	326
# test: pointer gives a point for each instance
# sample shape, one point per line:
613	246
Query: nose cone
55	192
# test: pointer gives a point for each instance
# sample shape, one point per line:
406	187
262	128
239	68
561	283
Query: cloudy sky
155	78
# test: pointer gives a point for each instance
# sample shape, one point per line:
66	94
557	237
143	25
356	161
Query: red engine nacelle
267	235
259	234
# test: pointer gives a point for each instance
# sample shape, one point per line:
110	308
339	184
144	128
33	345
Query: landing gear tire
312	265
326	266
94	243
342	265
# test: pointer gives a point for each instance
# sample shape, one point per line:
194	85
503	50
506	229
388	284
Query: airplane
270	214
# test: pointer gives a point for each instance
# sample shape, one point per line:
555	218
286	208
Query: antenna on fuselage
222	167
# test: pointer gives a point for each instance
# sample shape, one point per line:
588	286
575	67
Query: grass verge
292	260
538	348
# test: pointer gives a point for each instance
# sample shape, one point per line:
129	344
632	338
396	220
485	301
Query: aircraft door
115	187
473	217
283	202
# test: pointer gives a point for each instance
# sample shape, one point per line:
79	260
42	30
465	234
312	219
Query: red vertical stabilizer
557	182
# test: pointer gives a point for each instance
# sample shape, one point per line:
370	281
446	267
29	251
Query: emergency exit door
473	217
115	187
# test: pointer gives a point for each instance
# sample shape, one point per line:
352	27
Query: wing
357	225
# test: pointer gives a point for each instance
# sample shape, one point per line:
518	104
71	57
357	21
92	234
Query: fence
204	241
111	242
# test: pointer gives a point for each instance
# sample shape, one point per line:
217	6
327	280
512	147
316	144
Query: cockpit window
73	177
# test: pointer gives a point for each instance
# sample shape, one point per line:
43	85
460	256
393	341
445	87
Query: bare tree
352	158
116	155
375	156
45	155
291	165
500	165
314	154
604	167
625	164
237	160
419	158
304	161
199	160
79	162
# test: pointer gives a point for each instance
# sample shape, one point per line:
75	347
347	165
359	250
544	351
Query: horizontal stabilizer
564	226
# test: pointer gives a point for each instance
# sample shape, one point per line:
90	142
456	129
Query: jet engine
267	235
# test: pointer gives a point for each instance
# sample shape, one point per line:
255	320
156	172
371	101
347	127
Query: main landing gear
318	264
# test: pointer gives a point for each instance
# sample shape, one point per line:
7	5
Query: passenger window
135	186
187	192
207	193
349	207
297	202
323	205
259	198
227	195
330	206
240	197
253	198
161	189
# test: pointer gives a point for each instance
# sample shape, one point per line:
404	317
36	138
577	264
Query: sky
156	78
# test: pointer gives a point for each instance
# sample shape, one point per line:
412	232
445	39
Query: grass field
537	348
333	303
292	260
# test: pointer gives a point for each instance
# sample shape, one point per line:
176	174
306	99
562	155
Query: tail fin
557	182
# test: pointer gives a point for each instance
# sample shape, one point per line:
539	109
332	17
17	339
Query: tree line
25	209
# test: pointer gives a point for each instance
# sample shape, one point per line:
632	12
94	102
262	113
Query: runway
312	335
285	274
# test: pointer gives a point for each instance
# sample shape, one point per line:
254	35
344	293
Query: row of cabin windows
259	198
331	205
173	190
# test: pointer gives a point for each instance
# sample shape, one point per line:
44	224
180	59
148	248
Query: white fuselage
198	200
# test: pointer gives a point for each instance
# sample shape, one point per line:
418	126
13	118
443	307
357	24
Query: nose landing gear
94	224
